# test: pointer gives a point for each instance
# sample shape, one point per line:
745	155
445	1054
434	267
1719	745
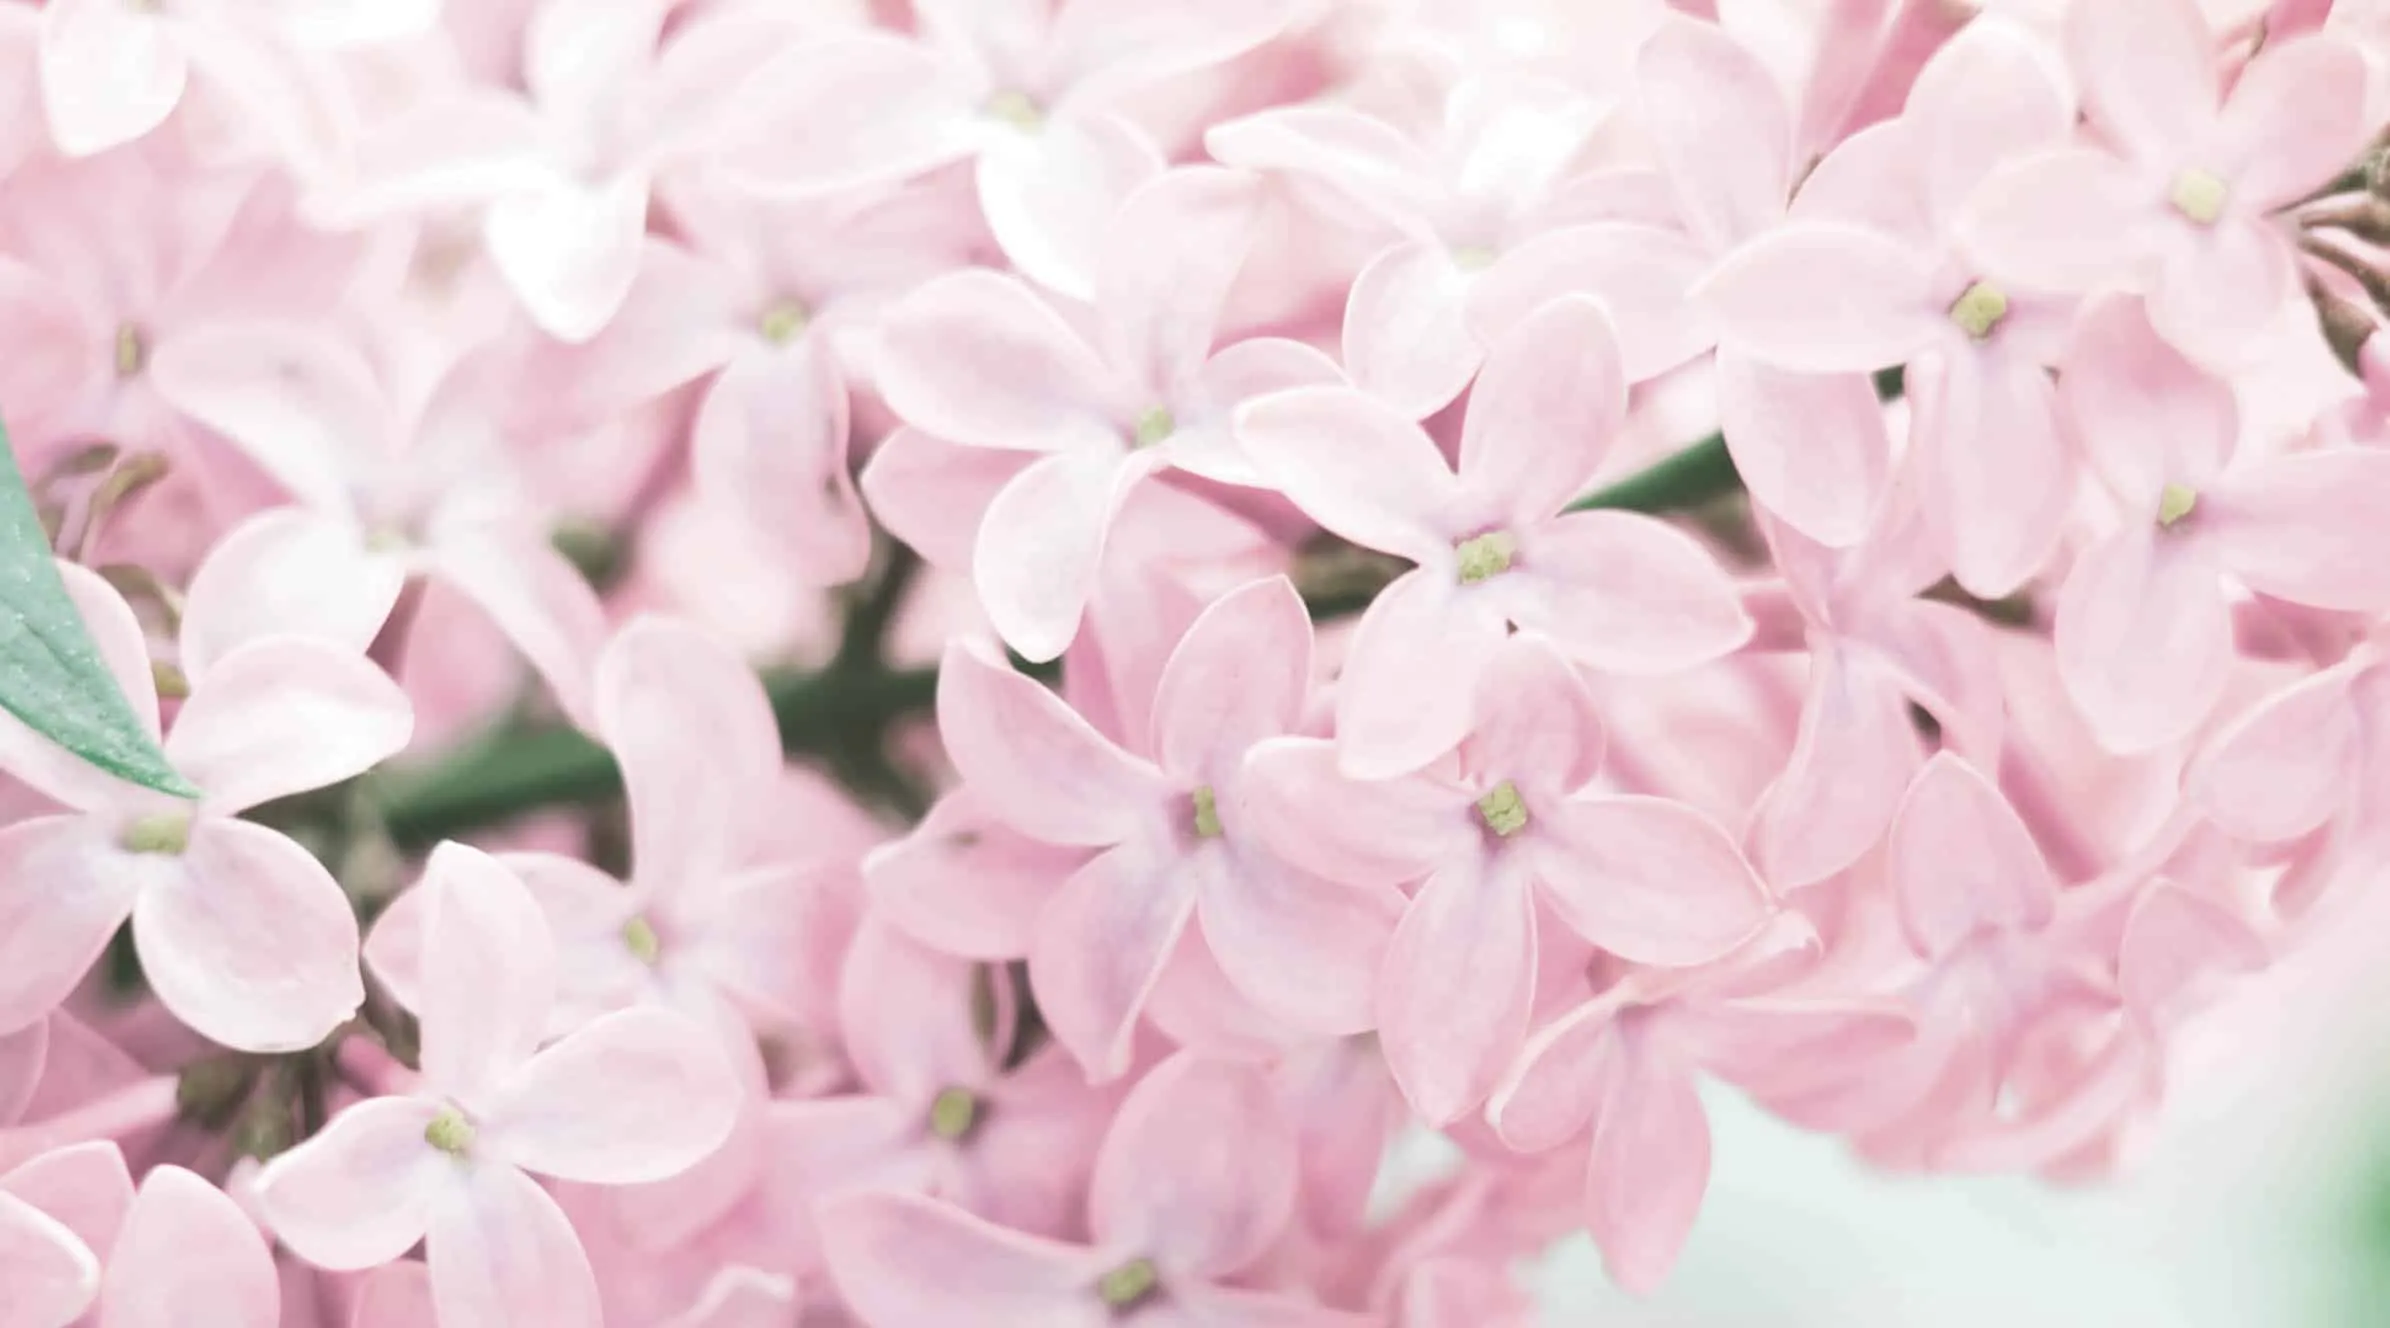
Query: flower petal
966	883
2144	639
1535	724
1355	465
488	972
2307	528
290	571
1407	340
110	73
1409	688
978	358
1816	297
63	893
2147	70
2224	289
307	409
1625	593
1998	479
360	1192
51	1277
286	715
1297	801
771	443
2296	119
2064	220
186	1244
1556	1087
698	746
898	107
1813	449
252	943
1198	1170
636	1095
1643	275
1453	997
1651	881
898	1259
1100	947
570	250
1302	949
1545	409
540	601
1050	193
1856	750
84	1187
1041	545
23	1054
1034	761
1170	259
1721	126
2285	766
1961	859
1240	675
502	1254
1651	1163
2145	415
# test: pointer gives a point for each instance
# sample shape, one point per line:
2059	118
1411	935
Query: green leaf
51	675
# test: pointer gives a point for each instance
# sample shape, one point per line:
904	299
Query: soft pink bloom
2176	196
1489	222
1193	1184
637	1095
2144	627
185	1245
397	475
60	1214
1174	833
981	360
1518	823
2307	759
242	933
1495	549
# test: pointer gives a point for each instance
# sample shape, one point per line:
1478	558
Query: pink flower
1494	545
980	359
1194	1185
1516	820
1488	228
395	479
1175	834
60	1213
2305	761
2178	196
242	933
2144	628
1867	276
634	1096
184	1244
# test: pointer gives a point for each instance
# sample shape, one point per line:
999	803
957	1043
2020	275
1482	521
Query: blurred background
2261	1200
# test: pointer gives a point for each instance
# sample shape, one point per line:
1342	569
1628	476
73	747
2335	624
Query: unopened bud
2347	327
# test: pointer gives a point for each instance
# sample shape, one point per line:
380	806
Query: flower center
167	833
450	1132
1504	811
1980	309
1207	812
1129	1285
2175	503
952	1113
639	937
1473	257
1486	556
1155	425
2200	195
783	322
1015	108
132	350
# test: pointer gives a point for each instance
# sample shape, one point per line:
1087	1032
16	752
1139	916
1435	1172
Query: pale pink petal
2064	220
538	599
1051	192
1721	126
1411	674
2284	767
2224	290
488	973
1961	858
1650	880
1991	93
1642	274
397	1295
1100	947
358	1193
252	943
570	250
1240	675
1454	995
1355	465
1366	159
637	1095
770	442
1821	298
908	1015
850	109
1813	449
1231	1307
2296	119
1033	761
2307	528
62	350
1545	409
1302	949
2144	638
932	494
284	715
110	73
23	1053
63	893
2148	70
1650	1166
1170	259
1041	545
1198	1170
84	1187
2145	415
1855	753
1407	340
2176	942
978	358
303	406
1105	46
1535	724
1205	443
1556	1086
49	1275
288	571
898	1259
1998	480
502	1254
1624	593
1360	832
699	750
966	883
185	1244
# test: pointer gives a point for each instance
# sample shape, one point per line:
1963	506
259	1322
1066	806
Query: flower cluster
963	661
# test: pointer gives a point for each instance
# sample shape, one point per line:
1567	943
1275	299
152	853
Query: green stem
1689	478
